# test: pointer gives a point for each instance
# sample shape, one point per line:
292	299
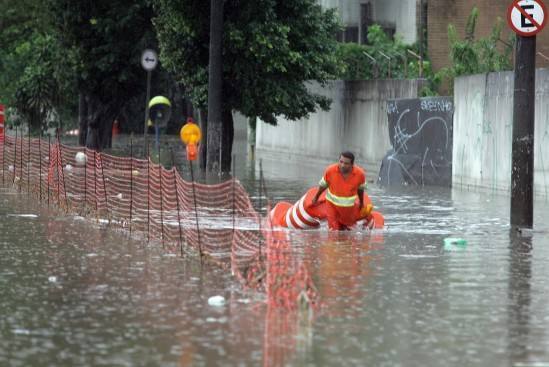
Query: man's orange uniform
341	195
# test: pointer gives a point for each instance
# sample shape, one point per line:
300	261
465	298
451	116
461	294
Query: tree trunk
82	118
227	140
215	88
100	118
203	148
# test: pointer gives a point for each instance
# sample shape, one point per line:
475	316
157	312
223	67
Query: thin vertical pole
234	193
104	186
146	142
196	211
58	175
40	162
85	180
62	172
220	153
260	204
21	160
28	161
131	183
95	181
49	162
148	192
260	188
15	156
177	202
160	171
4	142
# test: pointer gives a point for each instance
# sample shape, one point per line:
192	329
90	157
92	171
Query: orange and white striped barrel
303	215
300	215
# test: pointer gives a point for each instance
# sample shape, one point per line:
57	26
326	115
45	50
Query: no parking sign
527	17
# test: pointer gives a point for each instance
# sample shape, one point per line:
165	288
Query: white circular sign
527	17
149	60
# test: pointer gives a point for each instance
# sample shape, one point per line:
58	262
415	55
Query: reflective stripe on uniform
340	200
322	182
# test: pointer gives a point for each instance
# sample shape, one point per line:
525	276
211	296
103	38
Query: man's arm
360	193
322	185
318	193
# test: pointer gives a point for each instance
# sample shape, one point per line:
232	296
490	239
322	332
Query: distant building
395	16
408	17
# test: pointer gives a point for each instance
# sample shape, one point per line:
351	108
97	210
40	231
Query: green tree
472	56
34	78
370	61
107	38
270	49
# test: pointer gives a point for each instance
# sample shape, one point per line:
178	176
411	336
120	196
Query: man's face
345	164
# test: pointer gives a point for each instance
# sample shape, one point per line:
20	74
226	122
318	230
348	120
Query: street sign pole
147	110
149	60
522	167
527	18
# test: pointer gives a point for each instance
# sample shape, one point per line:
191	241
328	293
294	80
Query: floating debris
454	243
216	301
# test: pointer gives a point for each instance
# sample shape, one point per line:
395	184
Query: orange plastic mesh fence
218	221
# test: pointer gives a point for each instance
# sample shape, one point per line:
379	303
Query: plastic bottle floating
454	244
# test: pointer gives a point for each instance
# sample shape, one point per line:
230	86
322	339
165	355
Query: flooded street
75	293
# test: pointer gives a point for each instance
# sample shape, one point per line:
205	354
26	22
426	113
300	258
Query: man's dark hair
349	155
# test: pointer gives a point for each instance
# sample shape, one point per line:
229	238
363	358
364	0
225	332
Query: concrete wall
357	121
483	131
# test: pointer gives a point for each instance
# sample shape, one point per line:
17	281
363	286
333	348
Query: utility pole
522	168
215	85
527	18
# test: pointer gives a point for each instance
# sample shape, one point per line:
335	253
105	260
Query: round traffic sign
527	17
149	60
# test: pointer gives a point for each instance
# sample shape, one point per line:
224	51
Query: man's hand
319	192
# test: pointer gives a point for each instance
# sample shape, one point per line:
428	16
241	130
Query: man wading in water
344	182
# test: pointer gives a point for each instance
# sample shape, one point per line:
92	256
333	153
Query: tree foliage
369	61
107	38
34	71
472	56
270	49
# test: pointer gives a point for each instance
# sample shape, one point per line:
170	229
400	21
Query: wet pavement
75	293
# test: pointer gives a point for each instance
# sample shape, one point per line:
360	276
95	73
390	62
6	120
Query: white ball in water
68	168
11	168
80	158
216	301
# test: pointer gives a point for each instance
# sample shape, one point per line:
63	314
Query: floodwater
73	293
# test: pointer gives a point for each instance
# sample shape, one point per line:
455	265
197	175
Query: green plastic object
454	243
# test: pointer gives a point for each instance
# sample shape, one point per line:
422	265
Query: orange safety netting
144	198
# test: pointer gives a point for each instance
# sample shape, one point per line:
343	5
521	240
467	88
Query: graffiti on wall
420	131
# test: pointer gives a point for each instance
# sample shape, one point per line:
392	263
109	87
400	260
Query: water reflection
520	277
73	293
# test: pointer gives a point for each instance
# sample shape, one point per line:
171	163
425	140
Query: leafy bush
470	56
